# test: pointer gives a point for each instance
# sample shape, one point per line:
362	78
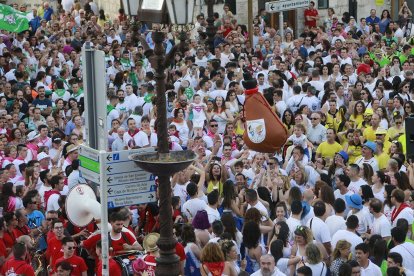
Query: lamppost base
168	262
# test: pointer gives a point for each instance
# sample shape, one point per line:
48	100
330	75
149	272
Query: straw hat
150	242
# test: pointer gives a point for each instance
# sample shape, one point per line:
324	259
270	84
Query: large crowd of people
336	199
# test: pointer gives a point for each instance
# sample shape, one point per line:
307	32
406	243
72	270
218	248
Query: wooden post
250	20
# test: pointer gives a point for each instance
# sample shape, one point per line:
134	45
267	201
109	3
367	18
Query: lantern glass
130	7
181	11
152	4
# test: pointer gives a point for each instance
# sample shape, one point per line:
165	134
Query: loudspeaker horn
82	206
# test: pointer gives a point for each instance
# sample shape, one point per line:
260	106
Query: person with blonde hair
213	262
314	260
340	256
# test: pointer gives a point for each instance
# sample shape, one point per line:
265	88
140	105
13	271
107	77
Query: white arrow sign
286	5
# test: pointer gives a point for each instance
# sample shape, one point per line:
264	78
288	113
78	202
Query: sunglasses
213	125
71	247
398	123
344	79
314	119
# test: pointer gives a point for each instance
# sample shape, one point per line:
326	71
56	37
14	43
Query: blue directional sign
127	184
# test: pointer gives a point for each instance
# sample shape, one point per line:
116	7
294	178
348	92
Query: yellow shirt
369	134
382	160
356	120
403	140
211	187
393	132
354	152
387	145
327	150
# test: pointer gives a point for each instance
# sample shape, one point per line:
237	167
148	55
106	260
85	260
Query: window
323	4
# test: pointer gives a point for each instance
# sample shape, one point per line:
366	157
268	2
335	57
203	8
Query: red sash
396	211
216	269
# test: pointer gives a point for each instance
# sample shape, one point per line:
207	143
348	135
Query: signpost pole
281	26
96	131
104	213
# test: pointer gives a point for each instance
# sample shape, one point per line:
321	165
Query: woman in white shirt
314	260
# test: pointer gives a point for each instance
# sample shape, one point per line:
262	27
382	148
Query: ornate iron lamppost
164	163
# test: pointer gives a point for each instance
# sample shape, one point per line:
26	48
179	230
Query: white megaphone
82	206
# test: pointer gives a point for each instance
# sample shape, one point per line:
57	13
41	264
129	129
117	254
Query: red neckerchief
216	268
43	141
396	211
211	134
133	134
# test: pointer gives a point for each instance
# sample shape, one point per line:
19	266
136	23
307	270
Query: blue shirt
48	14
371	20
35	219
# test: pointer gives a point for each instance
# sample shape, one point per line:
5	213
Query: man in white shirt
381	225
134	138
401	209
194	204
310	99
356	181
52	197
368	268
349	234
318	226
342	182
317	132
337	222
368	157
405	249
295	218
253	202
268	267
211	208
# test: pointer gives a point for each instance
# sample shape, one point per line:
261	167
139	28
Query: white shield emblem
256	130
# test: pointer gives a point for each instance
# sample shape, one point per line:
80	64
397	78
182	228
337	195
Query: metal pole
95	98
250	20
210	30
89	90
281	25
168	262
104	214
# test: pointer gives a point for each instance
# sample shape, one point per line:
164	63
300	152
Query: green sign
89	164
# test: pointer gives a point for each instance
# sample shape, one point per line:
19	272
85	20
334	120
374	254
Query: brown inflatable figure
264	131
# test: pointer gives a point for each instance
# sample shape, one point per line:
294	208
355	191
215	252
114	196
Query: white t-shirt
192	206
320	230
351	237
181	191
355	186
406	213
371	270
335	223
407	253
364	219
381	226
52	202
293	223
213	214
259	206
140	139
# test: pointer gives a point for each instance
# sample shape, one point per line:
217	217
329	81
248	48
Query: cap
32	135
354	201
71	148
56	139
344	155
42	156
381	131
371	145
369	112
